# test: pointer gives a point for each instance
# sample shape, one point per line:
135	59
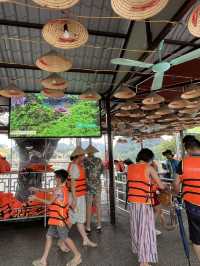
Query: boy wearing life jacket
59	221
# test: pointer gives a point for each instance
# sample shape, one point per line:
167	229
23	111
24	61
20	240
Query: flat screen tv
37	116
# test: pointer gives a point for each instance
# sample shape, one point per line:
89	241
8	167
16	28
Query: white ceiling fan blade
132	63
157	81
186	57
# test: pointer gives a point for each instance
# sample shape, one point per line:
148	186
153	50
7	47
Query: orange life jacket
59	209
80	183
139	184
191	179
4	165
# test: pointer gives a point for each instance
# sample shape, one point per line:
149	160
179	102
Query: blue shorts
58	232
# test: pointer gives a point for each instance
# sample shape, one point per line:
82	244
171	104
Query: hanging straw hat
124	93
55	82
153	99
178	104
136	114
90	95
129	106
164	111
65	33
53	93
79	151
154	116
53	62
122	114
193	105
150	107
191	93
194	22
188	111
57	4
11	91
138	9
91	149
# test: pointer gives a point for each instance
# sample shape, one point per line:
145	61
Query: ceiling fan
159	68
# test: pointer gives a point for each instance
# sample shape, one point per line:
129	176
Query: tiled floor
21	243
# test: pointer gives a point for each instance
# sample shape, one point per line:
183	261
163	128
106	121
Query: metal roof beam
38	26
182	43
75	70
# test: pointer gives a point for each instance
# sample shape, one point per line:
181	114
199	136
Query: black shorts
193	214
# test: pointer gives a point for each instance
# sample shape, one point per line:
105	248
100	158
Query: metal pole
141	144
110	159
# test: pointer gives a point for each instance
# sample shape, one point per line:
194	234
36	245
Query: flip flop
75	262
38	263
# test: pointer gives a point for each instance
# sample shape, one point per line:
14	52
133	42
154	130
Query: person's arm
177	184
48	202
154	175
74	174
35	189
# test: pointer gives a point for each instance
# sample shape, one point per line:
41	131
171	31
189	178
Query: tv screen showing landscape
39	116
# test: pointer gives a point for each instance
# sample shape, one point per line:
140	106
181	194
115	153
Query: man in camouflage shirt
94	169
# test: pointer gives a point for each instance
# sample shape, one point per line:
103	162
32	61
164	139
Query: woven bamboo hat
150	107
57	4
90	95
91	149
53	62
178	104
194	22
164	111
79	151
11	91
153	99
188	111
124	93
137	114
191	93
193	105
65	33
129	106
153	116
55	82
53	93
138	9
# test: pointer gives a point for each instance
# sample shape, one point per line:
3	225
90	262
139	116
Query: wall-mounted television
38	116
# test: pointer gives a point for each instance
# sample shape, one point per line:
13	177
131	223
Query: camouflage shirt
94	169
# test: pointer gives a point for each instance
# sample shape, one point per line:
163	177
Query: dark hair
191	142
145	155
116	161
62	174
188	138
167	152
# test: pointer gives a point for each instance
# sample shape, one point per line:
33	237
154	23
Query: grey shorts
58	232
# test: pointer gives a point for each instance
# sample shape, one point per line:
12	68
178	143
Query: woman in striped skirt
141	177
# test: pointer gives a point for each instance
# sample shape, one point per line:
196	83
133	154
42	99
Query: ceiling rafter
177	17
38	26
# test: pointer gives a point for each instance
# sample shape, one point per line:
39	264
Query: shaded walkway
21	243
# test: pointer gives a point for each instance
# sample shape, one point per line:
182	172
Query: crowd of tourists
78	187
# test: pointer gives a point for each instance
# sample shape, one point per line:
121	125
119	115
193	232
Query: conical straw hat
137	114
129	106
194	22
91	149
154	116
192	93
53	93
65	33
57	4
164	111
138	9
12	91
54	82
153	99
178	104
53	62
150	107
90	95
78	152
188	111
124	93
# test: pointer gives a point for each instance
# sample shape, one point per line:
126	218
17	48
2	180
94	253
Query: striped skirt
143	234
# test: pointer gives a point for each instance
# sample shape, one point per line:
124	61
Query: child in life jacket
59	221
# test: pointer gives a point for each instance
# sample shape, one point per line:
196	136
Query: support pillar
179	145
111	165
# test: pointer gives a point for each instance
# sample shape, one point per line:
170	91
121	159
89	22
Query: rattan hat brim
164	111
11	91
53	93
124	93
150	107
138	9
56	4
53	33
194	22
191	94
129	106
179	104
153	99
53	62
90	95
55	82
